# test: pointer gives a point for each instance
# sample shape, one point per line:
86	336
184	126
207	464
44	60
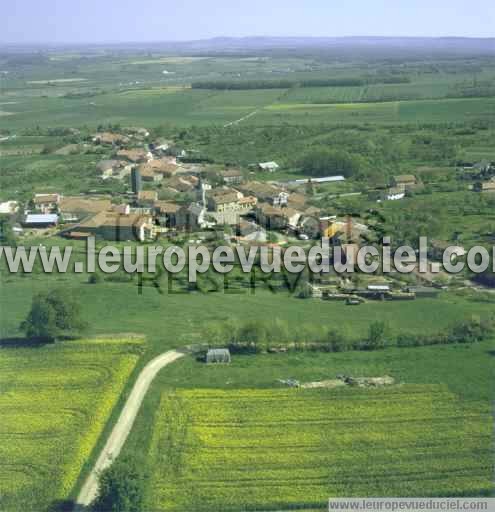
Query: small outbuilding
42	220
218	355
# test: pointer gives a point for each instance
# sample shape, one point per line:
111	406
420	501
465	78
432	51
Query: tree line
254	337
288	84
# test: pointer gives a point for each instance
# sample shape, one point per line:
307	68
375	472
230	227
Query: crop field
389	112
55	401
325	95
385	104
278	449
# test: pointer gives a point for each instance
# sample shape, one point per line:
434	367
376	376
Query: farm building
218	355
116	226
77	208
42	220
268	166
323	179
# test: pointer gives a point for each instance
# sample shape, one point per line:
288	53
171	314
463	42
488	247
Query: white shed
218	355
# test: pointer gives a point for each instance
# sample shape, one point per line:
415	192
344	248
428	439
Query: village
170	197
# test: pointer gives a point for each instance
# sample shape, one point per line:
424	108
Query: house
176	151
218	355
226	205
265	193
116	226
192	218
135	156
148	174
394	194
123	209
147	197
110	138
159	166
223	200
178	184
273	217
137	132
310	223
40	221
75	209
247	203
404	181
46	203
268	166
232	177
166	213
107	168
161	146
9	207
114	169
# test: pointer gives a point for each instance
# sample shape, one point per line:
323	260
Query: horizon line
238	38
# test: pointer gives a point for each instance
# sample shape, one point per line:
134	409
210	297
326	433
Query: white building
268	166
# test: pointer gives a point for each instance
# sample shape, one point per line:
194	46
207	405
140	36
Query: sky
79	21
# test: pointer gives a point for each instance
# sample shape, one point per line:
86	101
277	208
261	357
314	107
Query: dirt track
124	424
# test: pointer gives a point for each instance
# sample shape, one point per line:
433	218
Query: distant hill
455	46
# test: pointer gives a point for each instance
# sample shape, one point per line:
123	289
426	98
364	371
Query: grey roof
218	352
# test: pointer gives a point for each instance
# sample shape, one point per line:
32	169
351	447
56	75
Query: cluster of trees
325	162
54	314
288	84
470	330
254	337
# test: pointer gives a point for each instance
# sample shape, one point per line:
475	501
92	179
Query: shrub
94	279
376	336
121	487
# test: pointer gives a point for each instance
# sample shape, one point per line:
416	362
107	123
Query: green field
177	317
274	449
55	401
186	107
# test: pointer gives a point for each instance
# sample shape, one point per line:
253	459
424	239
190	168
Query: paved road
124	424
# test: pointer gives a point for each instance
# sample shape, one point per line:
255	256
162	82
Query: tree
53	314
7	237
121	487
336	341
376	335
253	333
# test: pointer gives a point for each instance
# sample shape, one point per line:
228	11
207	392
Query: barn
218	355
